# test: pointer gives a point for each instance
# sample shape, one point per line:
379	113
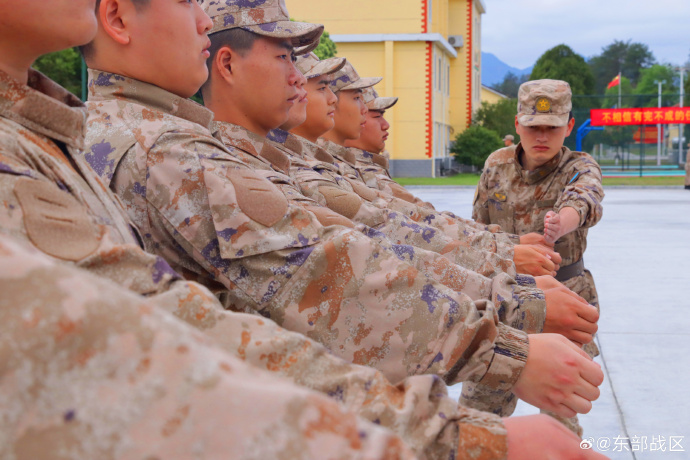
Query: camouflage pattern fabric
214	217
488	238
521	305
335	192
544	103
52	200
518	200
36	283
93	371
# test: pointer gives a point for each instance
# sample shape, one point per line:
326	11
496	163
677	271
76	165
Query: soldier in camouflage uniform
312	186
528	259
520	199
372	166
92	371
211	214
541	186
49	196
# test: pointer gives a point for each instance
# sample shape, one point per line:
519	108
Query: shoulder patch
278	159
259	199
500	196
362	190
327	217
55	222
344	203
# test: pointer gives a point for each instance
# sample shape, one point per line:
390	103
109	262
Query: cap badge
543	105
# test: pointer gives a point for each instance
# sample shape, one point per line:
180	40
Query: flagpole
620	85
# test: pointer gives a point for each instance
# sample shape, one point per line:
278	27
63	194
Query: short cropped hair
237	39
87	50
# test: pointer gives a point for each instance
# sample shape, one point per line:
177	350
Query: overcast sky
519	31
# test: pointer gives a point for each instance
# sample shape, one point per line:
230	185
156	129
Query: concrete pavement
639	255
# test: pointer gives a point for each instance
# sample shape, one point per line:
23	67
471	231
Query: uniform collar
338	151
239	137
104	86
362	155
288	141
532	177
44	107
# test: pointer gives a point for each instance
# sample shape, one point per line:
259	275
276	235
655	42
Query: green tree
562	63
64	67
625	57
510	84
326	48
498	117
474	145
647	87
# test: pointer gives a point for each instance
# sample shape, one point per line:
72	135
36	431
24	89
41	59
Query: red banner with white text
640	116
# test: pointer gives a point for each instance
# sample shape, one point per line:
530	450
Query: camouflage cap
347	78
269	18
311	67
374	102
509	137
544	102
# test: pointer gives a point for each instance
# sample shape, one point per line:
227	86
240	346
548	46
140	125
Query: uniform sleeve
583	192
104	374
418	409
480	209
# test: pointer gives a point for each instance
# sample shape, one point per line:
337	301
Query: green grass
460	179
473	180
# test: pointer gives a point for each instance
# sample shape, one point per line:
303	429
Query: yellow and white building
429	55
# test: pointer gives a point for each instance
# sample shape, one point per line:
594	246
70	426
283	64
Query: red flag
614	82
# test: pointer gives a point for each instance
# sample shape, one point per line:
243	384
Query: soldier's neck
335	137
302	131
16	66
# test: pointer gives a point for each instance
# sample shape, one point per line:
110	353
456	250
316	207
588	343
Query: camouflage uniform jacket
210	213
93	371
52	199
521	304
518	200
28	151
336	193
487	238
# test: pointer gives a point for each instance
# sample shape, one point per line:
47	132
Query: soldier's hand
534	238
540	437
545	282
536	260
570	315
558	376
552	227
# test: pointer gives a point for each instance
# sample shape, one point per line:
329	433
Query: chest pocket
501	211
541	207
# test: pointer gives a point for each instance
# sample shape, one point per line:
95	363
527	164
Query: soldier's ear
223	63
113	17
571	125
